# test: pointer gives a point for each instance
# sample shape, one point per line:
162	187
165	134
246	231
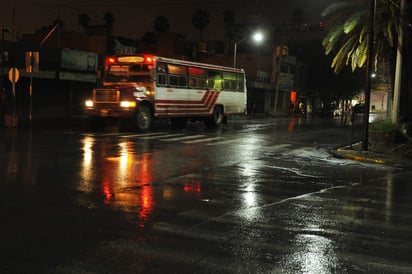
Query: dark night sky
133	17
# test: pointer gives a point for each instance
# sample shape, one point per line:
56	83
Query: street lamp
257	37
3	30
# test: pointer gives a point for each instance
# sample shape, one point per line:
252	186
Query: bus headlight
127	104
89	103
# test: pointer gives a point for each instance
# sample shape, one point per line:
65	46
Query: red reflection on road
292	123
192	186
145	178
125	176
108	194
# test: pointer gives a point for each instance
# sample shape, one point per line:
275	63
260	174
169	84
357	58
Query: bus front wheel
144	118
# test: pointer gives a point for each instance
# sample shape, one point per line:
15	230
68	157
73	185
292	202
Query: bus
143	87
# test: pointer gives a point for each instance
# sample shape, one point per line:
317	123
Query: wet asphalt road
257	196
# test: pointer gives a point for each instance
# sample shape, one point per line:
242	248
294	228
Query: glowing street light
256	37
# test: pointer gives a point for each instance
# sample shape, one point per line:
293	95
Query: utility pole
279	65
369	62
3	30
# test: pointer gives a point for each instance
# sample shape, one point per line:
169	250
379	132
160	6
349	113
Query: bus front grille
106	96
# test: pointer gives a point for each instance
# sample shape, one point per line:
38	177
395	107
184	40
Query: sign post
14	77
32	65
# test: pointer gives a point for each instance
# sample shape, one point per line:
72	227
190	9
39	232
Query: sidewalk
391	154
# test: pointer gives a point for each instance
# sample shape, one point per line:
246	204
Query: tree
108	19
229	21
348	27
161	25
298	18
200	20
83	19
149	40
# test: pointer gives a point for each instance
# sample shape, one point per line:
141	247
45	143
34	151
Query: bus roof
181	62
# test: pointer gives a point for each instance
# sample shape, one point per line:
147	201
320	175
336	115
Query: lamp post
257	37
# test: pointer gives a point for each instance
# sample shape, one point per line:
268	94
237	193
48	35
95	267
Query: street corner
354	153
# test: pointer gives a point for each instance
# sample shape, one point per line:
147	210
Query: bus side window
214	79
192	82
182	81
161	79
177	75
197	82
230	81
210	83
161	70
177	80
201	83
173	80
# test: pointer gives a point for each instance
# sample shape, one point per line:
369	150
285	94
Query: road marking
162	136
203	140
165	137
143	134
277	147
101	134
182	138
224	142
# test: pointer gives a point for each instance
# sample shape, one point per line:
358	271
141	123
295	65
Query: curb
350	154
364	159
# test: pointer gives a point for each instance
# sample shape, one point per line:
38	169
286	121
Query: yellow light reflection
87	150
86	170
125	162
125	177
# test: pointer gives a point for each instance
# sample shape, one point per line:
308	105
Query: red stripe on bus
208	99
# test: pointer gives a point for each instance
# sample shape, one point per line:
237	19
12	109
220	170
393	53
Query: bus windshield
128	74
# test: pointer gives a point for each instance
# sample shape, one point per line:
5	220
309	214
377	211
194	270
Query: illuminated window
214	80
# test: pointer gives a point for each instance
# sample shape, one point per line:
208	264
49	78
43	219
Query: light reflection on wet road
260	196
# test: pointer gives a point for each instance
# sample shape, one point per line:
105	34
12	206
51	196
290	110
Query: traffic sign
14	75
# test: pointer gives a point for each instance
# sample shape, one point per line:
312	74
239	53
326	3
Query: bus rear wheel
144	118
216	119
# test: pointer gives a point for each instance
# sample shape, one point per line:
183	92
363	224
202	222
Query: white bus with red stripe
144	87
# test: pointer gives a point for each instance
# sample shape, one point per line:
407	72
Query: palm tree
229	21
83	20
161	25
108	19
200	20
349	26
149	40
298	18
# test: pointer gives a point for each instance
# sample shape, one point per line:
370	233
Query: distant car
358	108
